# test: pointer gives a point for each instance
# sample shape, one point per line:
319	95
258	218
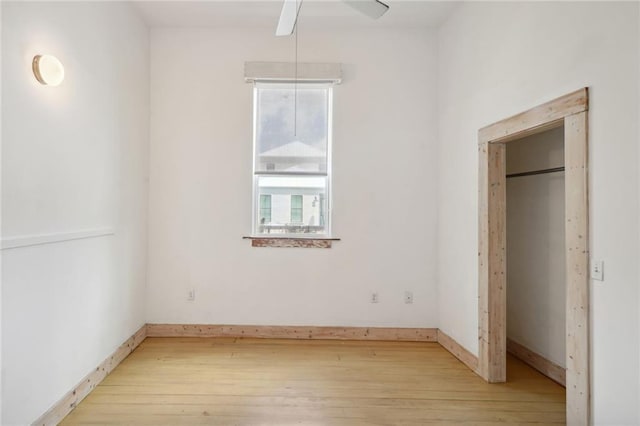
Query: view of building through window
291	161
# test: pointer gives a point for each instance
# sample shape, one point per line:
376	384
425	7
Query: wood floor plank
224	381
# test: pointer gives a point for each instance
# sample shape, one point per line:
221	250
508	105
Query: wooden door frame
571	111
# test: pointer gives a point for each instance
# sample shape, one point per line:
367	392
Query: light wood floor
227	381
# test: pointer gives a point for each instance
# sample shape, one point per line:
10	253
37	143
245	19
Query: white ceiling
314	14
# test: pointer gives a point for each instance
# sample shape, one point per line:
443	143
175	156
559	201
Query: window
292	162
265	209
296	209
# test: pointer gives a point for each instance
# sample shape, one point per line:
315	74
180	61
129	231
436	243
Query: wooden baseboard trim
538	362
456	349
293	332
68	402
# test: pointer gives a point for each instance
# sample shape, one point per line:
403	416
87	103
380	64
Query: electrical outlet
408	297
374	297
597	270
191	295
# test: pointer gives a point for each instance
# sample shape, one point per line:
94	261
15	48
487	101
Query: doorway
569	112
536	300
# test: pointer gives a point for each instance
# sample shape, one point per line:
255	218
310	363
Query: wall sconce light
48	70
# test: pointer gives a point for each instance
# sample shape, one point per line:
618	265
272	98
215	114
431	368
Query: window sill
303	242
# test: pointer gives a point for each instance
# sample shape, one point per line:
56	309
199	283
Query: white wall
535	246
384	181
638	254
497	59
1	369
73	157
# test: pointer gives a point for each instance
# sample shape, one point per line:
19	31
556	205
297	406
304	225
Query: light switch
597	270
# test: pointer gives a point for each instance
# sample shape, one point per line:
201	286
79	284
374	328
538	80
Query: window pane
265	210
265	201
296	201
298	204
296	209
290	138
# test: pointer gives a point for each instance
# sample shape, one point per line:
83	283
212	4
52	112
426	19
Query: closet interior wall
535	245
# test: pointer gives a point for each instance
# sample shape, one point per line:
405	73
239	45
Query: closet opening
536	291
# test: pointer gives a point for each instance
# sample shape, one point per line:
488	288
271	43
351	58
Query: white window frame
327	175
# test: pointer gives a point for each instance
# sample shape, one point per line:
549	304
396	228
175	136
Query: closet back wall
383	183
536	289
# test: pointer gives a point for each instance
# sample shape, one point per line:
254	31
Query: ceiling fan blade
288	17
372	8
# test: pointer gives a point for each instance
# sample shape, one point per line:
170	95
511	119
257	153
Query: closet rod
537	172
